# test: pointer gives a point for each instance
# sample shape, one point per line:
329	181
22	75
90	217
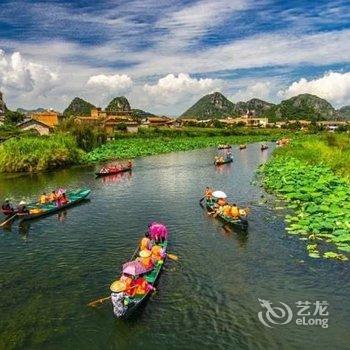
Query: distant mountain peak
78	106
214	105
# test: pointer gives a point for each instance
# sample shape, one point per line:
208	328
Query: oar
102	300
172	257
8	220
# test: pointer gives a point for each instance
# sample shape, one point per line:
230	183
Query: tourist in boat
146	259
53	196
64	199
208	193
22	208
146	242
142	286
221	202
43	198
129	284
157	253
118	297
7	207
235	211
158	232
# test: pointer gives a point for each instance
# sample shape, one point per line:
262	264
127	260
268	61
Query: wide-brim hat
22	203
118	286
145	253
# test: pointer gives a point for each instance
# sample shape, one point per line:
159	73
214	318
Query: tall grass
332	150
35	153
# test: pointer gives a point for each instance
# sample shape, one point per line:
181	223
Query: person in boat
145	259
234	211
52	197
158	253
129	163
145	242
43	198
22	208
221	202
142	286
7	207
64	199
118	297
129	284
208	193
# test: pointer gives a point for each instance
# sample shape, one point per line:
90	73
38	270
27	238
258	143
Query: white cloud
174	86
114	83
20	75
260	89
333	86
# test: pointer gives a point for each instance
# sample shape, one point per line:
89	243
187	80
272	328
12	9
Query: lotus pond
321	203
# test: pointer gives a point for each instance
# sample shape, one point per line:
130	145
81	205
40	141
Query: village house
50	117
247	120
159	121
110	120
33	124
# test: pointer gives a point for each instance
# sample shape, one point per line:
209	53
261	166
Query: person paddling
145	242
7	207
43	198
22	208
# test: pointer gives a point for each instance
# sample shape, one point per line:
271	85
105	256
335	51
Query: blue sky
163	55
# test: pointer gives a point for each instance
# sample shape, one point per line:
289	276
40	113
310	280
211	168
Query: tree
12	117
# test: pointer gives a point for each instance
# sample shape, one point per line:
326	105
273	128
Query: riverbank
45	153
307	175
167	140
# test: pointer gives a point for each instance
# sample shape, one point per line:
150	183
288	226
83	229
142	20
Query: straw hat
118	286
22	203
145	253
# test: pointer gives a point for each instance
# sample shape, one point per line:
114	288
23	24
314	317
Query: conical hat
118	286
145	253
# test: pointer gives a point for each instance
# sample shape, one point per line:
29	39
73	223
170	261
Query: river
50	269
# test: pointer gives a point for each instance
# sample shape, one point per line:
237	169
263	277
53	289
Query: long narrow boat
263	147
224	146
226	161
240	223
38	210
134	303
113	171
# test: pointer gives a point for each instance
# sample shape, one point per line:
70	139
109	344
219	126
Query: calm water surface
50	269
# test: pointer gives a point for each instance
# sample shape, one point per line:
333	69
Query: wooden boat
240	223
226	161
8	212
263	147
242	146
134	303
224	146
38	210
113	171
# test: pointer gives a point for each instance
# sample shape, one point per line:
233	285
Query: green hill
214	105
140	114
256	106
344	112
78	106
119	104
304	106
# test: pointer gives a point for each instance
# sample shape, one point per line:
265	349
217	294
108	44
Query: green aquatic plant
321	203
35	153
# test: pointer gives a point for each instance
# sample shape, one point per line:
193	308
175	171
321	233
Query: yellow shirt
42	199
145	243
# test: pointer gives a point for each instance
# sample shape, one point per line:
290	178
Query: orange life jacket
145	243
235	212
147	262
141	286
157	252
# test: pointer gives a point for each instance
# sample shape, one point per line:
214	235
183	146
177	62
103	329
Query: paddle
102	300
8	220
172	257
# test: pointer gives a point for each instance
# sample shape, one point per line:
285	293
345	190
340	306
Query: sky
164	55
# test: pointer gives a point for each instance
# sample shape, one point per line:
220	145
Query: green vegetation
39	153
13	118
332	150
156	141
259	107
78	107
210	106
302	175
